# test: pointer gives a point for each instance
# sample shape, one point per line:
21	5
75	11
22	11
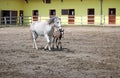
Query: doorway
21	15
91	16
35	15
71	16
52	13
9	17
14	17
5	14
112	16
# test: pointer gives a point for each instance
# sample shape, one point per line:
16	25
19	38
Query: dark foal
57	38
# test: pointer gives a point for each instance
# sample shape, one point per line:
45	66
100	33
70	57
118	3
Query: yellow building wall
11	5
80	6
111	4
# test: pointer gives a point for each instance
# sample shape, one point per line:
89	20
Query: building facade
77	12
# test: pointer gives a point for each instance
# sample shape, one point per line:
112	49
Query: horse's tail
32	25
31	35
31	29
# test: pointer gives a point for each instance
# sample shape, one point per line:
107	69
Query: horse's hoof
36	48
52	49
49	50
45	49
57	47
61	48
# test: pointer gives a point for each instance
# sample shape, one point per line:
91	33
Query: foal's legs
34	34
52	44
56	41
60	44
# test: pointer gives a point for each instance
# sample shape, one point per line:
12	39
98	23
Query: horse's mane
51	20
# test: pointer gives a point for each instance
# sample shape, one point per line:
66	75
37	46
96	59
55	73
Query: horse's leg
33	39
60	44
56	43
48	42
34	34
52	43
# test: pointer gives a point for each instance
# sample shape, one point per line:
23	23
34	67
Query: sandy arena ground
88	52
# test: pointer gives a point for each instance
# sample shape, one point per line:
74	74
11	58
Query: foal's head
61	32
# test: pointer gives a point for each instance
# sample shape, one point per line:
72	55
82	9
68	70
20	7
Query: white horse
45	29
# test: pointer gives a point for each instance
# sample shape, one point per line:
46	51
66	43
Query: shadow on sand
58	50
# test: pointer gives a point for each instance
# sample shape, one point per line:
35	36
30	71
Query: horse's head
56	21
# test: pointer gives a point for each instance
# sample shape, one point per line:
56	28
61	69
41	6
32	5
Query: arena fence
76	20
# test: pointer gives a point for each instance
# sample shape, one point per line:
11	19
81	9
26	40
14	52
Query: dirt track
88	52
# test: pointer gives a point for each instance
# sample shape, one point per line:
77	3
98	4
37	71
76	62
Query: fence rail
76	20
